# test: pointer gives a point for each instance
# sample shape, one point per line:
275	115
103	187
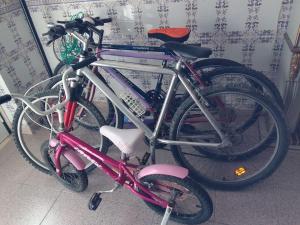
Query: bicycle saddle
127	140
170	34
188	51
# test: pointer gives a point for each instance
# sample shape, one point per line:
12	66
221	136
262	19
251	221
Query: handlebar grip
77	23
101	22
107	20
4	99
84	63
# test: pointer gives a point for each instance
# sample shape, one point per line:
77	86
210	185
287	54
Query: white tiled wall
250	32
20	62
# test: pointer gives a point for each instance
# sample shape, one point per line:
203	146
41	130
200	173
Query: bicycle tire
59	68
199	193
22	147
277	157
79	180
214	63
254	76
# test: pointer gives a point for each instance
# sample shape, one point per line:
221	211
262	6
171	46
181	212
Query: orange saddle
178	34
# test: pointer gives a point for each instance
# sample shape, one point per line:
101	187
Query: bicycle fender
164	169
73	158
70	155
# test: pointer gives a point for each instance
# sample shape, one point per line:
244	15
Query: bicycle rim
28	129
231	165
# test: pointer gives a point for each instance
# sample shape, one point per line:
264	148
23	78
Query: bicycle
233	69
219	135
166	189
224	71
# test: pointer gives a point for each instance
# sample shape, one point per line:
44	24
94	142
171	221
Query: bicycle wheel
192	204
111	113
71	178
255	153
241	76
213	63
28	126
59	69
244	77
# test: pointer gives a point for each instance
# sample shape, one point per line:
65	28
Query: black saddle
188	50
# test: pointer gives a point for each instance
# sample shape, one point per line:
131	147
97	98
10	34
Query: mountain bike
202	70
217	74
211	121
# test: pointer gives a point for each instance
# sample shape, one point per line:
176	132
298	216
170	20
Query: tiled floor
28	197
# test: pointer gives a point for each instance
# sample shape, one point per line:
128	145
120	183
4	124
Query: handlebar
55	32
79	25
83	24
70	69
96	21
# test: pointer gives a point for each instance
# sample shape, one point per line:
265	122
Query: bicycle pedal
95	201
145	158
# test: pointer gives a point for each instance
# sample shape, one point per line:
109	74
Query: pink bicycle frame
119	171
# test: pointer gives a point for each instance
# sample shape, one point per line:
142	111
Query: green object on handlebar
70	47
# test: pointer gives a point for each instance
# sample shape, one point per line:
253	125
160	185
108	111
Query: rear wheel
240	76
192	203
227	75
255	153
213	63
218	71
31	130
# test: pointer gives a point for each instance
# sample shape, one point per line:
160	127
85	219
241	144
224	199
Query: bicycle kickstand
167	214
170	207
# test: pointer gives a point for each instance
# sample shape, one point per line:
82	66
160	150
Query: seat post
178	64
124	156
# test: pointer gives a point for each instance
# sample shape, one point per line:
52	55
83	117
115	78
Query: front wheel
110	112
192	203
71	178
254	154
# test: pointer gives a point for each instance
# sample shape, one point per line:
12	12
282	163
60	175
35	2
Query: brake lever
49	42
62	22
45	34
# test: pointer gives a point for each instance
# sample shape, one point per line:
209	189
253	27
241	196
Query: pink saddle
127	140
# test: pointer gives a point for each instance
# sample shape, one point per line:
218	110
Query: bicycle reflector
240	171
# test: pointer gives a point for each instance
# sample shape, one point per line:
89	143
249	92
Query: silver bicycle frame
176	77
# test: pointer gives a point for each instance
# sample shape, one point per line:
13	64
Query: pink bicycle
166	189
